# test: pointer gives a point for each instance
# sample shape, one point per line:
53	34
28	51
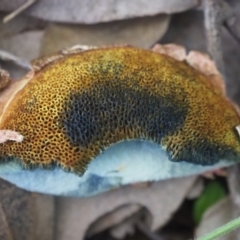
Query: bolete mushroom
88	120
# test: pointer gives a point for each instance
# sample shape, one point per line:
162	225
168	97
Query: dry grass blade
12	15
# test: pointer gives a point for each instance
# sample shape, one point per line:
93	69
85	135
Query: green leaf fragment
211	194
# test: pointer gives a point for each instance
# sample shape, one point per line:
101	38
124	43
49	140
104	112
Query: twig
6	56
12	15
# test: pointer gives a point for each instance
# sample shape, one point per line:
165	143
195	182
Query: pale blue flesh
127	162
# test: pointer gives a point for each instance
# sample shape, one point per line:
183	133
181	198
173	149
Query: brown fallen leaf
140	219
17	209
196	189
75	11
21	24
161	199
21	48
119	215
186	29
25	45
45	217
141	32
25	215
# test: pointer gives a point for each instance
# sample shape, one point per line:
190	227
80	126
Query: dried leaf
21	24
17	209
142	32
113	218
45	217
186	29
196	189
92	12
26	46
161	199
139	220
25	215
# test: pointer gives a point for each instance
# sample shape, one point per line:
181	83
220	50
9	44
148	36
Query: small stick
6	56
12	15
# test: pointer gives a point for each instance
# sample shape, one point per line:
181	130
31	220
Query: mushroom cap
100	118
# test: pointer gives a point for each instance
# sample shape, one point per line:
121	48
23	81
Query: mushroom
87	119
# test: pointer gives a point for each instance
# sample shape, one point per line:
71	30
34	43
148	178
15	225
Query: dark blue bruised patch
105	115
204	153
95	184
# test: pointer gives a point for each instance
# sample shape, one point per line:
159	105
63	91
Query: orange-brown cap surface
79	105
